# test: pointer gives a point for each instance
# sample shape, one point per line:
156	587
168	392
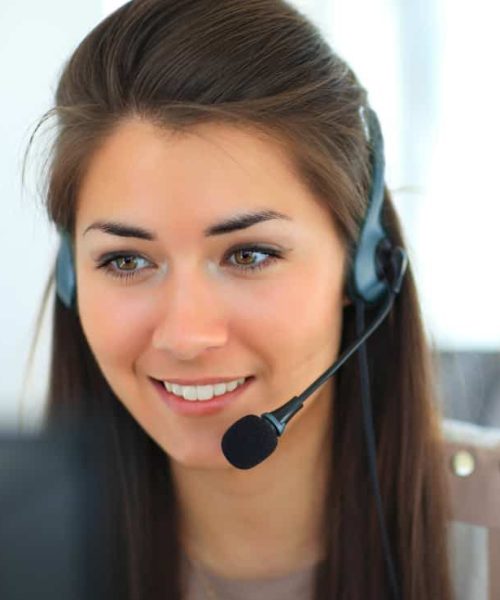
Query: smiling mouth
195	407
203	392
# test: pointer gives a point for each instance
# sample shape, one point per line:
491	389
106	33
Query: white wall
431	68
35	38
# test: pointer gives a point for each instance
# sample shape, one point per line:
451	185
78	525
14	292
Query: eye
123	266
245	254
126	265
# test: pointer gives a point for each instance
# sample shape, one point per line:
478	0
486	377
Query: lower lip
199	407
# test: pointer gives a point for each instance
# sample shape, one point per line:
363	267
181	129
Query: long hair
258	64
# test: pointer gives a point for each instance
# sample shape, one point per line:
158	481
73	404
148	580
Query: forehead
210	169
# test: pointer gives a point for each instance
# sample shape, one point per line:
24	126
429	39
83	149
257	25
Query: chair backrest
472	456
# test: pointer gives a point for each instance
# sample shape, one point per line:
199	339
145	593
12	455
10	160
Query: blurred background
431	70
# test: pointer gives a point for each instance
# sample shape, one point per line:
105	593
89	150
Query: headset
375	278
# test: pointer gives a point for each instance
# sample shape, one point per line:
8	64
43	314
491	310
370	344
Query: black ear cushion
384	260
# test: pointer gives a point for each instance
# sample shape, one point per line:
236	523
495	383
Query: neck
266	521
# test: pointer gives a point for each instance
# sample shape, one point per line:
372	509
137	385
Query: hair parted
261	65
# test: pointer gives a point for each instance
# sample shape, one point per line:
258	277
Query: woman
176	119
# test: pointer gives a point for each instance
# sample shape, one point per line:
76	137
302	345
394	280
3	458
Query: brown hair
258	64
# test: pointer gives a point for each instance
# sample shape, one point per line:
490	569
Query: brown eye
245	259
246	256
123	265
126	263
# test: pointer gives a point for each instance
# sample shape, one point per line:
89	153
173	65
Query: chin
200	457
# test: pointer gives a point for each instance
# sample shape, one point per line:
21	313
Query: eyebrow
234	223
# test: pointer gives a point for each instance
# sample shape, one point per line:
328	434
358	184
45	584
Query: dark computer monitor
53	517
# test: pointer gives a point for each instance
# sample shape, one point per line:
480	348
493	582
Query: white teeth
202	392
219	389
189	392
232	385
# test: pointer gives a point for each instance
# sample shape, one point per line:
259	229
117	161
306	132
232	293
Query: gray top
468	559
297	585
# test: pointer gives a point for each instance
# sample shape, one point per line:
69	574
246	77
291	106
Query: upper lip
205	381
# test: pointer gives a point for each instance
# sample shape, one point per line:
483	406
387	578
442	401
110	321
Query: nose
192	319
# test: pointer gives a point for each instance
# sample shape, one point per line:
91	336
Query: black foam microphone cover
249	441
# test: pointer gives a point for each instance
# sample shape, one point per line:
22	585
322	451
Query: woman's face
177	301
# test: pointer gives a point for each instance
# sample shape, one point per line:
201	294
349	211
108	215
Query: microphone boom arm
280	417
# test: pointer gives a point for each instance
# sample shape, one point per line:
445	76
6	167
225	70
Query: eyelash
107	261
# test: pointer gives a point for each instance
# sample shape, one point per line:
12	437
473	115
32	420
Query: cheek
307	306
296	321
115	330
295	316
